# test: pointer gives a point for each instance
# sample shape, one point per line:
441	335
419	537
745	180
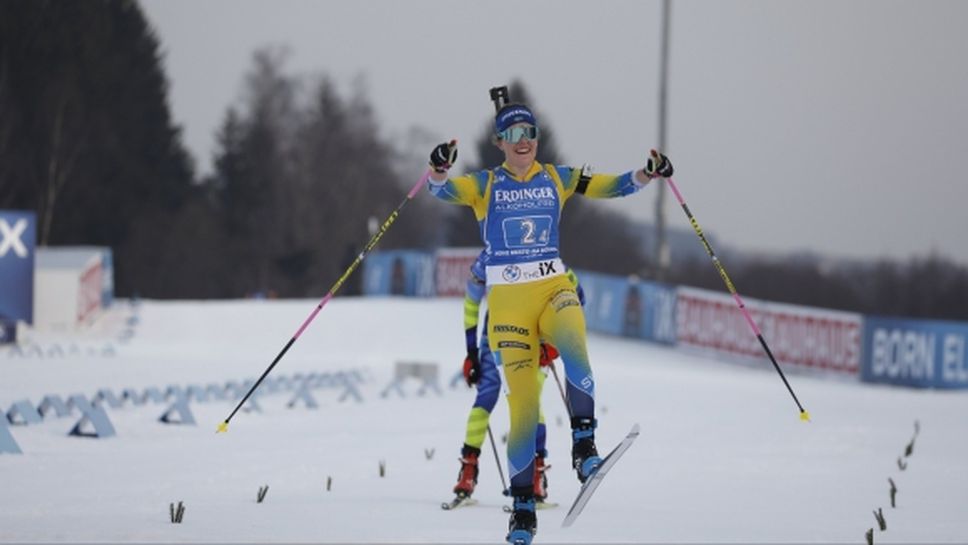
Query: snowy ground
723	457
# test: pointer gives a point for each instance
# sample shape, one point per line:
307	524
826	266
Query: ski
589	486
539	505
459	501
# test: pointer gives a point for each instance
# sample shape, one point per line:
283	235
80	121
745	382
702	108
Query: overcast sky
832	126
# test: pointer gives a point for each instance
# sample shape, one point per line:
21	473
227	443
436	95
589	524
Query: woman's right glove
472	367
547	355
443	156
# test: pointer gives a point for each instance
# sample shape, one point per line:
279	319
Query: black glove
658	165
472	367
444	156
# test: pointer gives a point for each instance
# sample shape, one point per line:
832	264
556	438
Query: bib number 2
527	231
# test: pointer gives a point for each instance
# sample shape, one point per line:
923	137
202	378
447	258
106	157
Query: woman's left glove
658	165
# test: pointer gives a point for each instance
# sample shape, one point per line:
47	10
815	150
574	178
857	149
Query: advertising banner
629	307
18	238
655	305
399	272
920	353
812	338
8	331
453	269
604	301
107	278
90	290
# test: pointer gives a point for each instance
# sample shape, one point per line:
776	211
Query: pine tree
86	139
297	183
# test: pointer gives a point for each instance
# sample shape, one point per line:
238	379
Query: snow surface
722	458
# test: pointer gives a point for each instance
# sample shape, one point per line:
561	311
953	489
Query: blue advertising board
107	278
604	301
399	272
920	353
656	306
8	331
628	307
18	239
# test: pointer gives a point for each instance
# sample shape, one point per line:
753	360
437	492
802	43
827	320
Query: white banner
805	336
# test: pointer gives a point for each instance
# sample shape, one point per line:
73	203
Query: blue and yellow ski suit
489	383
528	294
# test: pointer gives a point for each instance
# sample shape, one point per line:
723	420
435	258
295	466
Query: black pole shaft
497	459
561	390
332	292
732	290
264	375
776	366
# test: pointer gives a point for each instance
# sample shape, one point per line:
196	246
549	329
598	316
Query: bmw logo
511	273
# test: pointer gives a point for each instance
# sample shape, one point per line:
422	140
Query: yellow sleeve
597	186
468	190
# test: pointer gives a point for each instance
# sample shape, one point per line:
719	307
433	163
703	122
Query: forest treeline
301	174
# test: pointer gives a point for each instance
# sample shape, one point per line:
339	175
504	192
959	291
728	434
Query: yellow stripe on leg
477	427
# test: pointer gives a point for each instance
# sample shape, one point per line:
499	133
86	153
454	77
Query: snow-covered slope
723	456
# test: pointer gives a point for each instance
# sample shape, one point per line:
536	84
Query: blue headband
511	114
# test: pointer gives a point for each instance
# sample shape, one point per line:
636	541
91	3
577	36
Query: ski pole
560	389
804	415
224	426
497	459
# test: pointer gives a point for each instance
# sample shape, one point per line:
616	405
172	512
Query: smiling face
519	155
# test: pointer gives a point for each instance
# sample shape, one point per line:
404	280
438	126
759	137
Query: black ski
588	488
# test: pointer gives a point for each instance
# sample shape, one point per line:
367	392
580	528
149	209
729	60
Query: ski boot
540	478
467	477
584	455
523	524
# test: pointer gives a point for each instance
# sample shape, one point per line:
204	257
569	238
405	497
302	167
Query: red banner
805	336
453	270
89	292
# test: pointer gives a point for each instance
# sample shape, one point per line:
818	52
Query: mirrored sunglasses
515	134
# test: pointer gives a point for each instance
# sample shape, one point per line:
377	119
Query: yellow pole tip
222	428
805	416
